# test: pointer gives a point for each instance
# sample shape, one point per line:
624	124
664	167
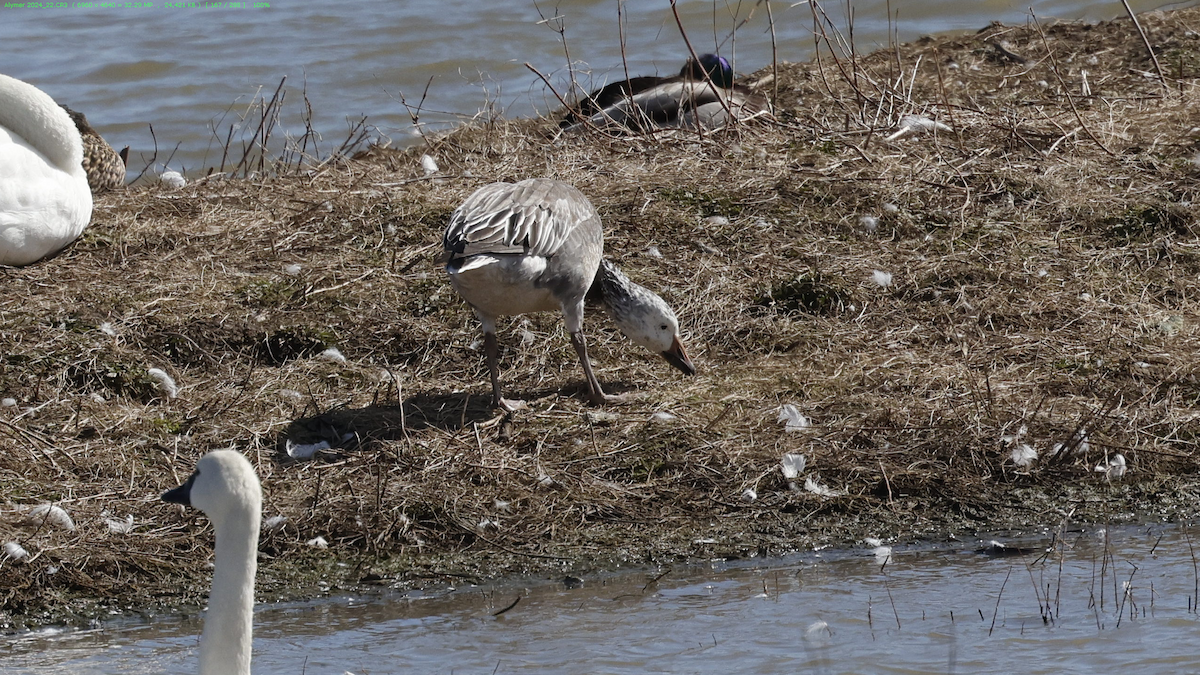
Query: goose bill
677	356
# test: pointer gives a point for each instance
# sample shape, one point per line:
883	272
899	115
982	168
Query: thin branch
1162	79
1062	83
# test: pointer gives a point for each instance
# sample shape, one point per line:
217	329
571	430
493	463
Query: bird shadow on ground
348	428
345	427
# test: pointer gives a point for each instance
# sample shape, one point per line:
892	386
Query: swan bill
183	493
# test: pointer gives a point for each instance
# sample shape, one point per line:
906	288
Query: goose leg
492	348
595	392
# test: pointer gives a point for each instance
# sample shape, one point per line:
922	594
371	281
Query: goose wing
533	217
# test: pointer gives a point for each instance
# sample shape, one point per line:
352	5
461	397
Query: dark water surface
191	72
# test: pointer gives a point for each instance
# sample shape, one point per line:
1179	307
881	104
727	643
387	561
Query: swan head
715	67
223	484
642	316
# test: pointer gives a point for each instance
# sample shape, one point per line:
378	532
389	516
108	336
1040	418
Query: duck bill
677	356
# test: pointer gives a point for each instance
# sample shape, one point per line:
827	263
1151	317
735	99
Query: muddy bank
939	305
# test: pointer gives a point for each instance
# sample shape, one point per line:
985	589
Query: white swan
45	201
226	489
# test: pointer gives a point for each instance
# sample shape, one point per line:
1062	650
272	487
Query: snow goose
104	166
702	94
226	489
536	245
45	201
640	314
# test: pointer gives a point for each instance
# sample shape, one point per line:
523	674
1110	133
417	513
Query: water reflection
191	72
1094	602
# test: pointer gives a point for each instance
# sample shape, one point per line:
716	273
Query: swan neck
228	626
32	115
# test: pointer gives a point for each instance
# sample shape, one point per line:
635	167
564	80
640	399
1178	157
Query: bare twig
1146	41
1066	91
774	57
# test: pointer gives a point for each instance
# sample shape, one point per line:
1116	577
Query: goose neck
614	290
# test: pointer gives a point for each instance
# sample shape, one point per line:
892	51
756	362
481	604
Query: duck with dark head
702	94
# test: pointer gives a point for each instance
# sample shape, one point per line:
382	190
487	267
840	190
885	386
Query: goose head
223	486
652	324
642	316
715	67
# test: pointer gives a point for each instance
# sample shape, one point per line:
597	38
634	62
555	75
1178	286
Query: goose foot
612	399
511	405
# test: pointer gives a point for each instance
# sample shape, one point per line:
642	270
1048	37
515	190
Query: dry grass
1044	260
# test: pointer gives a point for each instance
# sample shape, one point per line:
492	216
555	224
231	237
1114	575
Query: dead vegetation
1042	255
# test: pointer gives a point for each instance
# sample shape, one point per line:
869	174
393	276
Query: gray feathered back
533	217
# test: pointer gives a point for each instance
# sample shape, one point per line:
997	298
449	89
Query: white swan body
226	489
45	201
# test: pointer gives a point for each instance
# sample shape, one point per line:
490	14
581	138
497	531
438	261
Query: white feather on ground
1024	454
172	179
333	354
305	450
117	526
792	464
916	124
15	551
50	514
1077	445
166	383
792	419
817	488
1113	468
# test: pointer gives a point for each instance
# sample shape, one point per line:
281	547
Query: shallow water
190	72
931	609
